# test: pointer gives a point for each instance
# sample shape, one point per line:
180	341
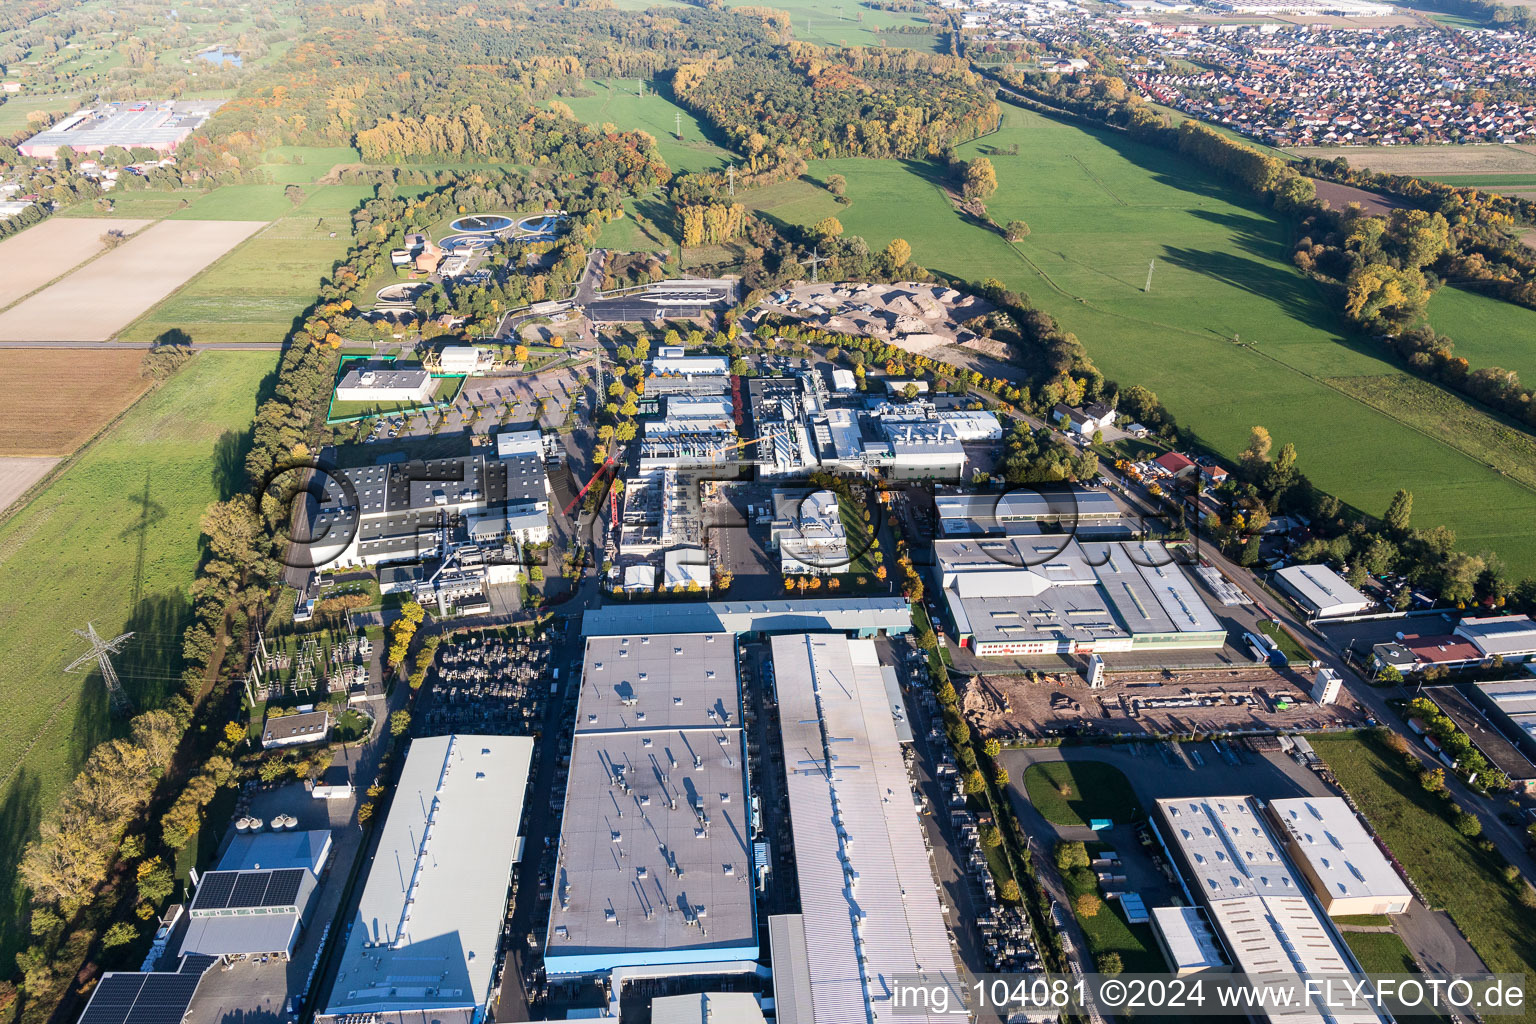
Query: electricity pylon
100	652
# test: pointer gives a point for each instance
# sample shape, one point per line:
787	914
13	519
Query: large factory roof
655	867
863	615
1342	855
437	888
869	905
1260	907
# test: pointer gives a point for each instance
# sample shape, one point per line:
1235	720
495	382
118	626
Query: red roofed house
1175	465
1214	476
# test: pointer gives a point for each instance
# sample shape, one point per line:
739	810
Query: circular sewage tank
480	243
482	224
542	224
402	293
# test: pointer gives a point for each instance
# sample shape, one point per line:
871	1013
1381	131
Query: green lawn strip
1284	640
1453	871
849	23
1381	952
112	540
1108	931
1094	790
1365	920
859	540
1221	271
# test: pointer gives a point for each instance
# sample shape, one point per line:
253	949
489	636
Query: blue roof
276	850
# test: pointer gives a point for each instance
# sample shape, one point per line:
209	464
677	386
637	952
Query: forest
851	102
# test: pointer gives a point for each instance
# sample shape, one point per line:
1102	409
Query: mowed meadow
1230	334
114	540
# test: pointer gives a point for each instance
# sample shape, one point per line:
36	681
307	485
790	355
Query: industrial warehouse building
259	897
1233	868
855	616
1321	591
675	372
1075	511
1032	594
654	874
1346	869
808	533
1511	638
410	385
870	909
160	127
424	943
397	512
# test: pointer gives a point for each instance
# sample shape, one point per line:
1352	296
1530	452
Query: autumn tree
1259	444
898	252
1016	231
980	179
837	185
828	227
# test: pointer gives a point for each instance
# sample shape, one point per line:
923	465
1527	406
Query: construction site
1237	700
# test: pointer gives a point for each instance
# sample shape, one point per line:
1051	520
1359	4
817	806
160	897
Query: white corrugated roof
866	887
437	889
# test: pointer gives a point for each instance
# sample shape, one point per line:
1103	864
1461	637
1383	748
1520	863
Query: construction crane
715	453
608	463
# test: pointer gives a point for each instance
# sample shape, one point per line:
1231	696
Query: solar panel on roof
250	889
284	887
196	963
213	892
113	998
164	999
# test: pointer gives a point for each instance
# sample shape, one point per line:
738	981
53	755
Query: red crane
608	464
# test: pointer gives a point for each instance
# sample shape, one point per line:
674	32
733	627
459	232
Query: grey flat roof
1500	634
405	380
655	865
1188	937
241	936
436	892
791	970
893	614
1322	588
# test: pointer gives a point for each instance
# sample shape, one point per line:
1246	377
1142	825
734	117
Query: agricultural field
849	23
254	292
1453	872
1487	331
112	540
59	398
1430	161
49	250
1230	333
19	472
617	101
107	294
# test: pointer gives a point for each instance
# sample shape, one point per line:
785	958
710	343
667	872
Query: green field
1102	208
1283	640
616	101
848	23
14	111
1452	871
254	292
1487	331
114	541
1508	449
1070	793
302	165
1490	181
